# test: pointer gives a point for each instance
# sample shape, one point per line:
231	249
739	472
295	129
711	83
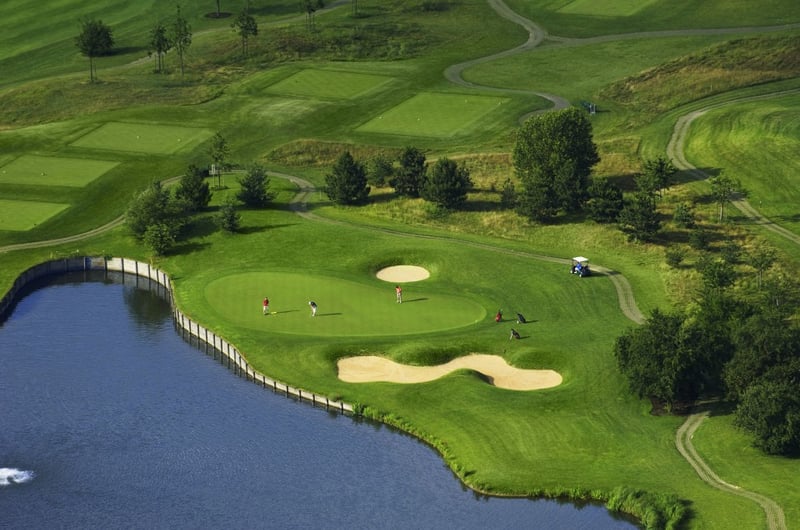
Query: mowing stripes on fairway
326	84
433	115
606	8
54	171
346	308
143	138
19	216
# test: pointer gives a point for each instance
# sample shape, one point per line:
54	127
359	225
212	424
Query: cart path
683	441
299	205
627	302
675	151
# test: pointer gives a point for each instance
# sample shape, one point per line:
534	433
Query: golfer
313	306
514	334
265	303
399	292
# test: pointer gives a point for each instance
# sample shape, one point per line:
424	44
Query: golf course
713	86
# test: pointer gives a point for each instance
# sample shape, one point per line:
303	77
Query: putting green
143	138
54	171
24	215
346	308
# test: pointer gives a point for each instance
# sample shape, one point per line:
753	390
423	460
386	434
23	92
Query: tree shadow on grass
188	247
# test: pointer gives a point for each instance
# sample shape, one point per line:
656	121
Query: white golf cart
580	266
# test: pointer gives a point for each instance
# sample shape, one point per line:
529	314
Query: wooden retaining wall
189	329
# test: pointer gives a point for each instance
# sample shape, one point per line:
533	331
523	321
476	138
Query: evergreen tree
254	187
193	189
347	183
228	219
605	201
447	184
639	218
410	176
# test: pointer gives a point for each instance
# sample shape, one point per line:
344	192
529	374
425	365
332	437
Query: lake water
108	419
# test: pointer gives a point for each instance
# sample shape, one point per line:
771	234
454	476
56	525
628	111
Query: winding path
627	302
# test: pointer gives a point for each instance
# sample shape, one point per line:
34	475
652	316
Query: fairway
434	115
53	171
23	215
326	84
346	308
143	138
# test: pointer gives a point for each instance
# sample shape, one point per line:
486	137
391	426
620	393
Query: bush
674	257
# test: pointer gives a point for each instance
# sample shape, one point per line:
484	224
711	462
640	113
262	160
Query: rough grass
720	68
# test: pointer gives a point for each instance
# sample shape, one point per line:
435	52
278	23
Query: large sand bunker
369	369
403	273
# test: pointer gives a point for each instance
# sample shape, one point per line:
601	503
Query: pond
110	419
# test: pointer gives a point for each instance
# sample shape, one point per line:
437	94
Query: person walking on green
265	305
399	292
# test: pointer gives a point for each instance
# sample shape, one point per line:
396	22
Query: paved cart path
627	302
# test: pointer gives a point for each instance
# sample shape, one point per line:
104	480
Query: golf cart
580	266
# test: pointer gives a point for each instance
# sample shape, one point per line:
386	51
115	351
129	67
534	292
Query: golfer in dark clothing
514	335
521	319
313	306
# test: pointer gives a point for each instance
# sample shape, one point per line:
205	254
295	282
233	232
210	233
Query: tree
160	44
660	360
553	156
447	184
219	13
639	218
379	170
150	207
218	150
723	190
193	189
410	176
181	37
605	201
761	259
770	409
347	183
228	219
660	170
94	40
254	187
247	27
354	7
717	274
160	237
311	7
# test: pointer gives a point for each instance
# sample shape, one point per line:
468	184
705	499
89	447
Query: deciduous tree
553	156
94	40
181	36
160	44
246	26
219	150
723	190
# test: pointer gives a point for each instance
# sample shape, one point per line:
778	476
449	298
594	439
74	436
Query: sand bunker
370	369
403	273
